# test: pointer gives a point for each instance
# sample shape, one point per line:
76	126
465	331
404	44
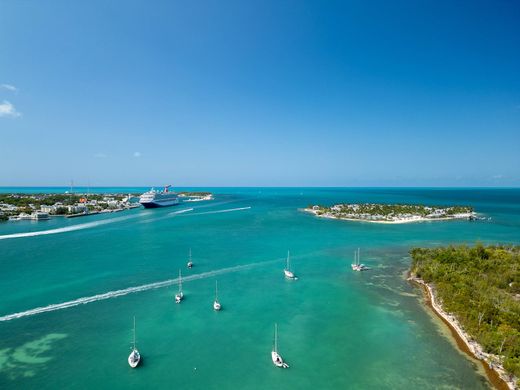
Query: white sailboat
190	262
275	356
287	271
216	304
135	357
357	266
179	295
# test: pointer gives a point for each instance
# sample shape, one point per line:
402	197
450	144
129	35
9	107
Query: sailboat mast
180	282
276	337
358	262
189	257
134	332
216	291
288	260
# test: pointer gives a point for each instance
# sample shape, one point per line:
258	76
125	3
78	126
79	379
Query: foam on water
129	290
80	226
222	211
180	211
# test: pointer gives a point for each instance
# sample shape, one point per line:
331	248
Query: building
48	209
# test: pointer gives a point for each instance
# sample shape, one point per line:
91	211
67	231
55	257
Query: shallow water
337	329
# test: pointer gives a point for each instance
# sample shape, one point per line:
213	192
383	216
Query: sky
260	93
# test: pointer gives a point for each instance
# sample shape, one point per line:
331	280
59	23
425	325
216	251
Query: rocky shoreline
491	362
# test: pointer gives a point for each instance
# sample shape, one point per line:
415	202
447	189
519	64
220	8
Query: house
48	209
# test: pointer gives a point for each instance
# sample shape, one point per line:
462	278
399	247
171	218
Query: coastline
399	221
495	372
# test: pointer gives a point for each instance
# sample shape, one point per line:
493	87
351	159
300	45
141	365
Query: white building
48	209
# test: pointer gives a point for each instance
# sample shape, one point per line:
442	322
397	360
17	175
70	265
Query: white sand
397	221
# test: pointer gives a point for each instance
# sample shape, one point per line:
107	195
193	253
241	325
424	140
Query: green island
477	291
40	206
391	213
194	196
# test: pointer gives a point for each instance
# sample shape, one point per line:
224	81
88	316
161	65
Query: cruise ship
153	198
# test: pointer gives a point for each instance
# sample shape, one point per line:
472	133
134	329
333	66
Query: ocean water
337	329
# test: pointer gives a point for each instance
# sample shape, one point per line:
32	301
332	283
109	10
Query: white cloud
100	155
9	87
7	109
137	154
498	177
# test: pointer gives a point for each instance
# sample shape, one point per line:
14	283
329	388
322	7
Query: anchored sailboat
275	356
190	263
135	357
357	266
179	295
216	304
287	271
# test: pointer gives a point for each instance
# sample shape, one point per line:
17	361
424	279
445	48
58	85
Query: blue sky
280	93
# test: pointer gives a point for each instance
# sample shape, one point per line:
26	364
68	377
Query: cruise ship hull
154	205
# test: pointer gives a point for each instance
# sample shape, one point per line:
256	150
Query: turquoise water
337	329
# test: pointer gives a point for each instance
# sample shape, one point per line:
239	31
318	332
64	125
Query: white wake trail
180	211
130	290
80	226
221	211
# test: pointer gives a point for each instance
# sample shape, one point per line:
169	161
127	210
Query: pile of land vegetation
391	213
15	203
480	286
195	193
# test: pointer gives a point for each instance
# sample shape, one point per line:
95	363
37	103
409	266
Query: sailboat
287	271
216	304
135	357
275	356
179	295
190	263
357	266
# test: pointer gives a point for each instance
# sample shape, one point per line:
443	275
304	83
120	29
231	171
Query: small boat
216	304
135	357
287	271
179	296
190	263
275	356
356	265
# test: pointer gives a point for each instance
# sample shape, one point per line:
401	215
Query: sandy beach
491	363
393	222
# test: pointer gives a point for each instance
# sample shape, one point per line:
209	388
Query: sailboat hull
277	360
134	359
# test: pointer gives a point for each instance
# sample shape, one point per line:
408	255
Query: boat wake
221	211
89	225
80	226
180	211
130	290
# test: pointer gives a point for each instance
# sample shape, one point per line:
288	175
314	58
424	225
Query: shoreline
400	221
495	372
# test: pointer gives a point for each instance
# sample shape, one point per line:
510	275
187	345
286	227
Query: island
20	206
195	196
476	291
391	213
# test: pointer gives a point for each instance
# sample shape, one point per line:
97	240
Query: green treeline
389	210
37	200
194	193
480	285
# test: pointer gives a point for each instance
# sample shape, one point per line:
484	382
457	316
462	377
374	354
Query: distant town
19	206
391	213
